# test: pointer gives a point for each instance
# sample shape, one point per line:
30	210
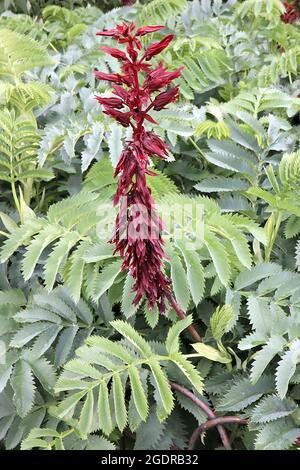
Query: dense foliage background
80	367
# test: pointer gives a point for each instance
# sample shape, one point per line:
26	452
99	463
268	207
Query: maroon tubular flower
148	29
114	52
121	32
116	103
138	228
110	77
110	32
123	94
154	145
157	47
159	78
122	118
165	98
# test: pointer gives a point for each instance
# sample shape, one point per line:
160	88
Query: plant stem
203	159
15	197
273	238
204	407
182	316
212	423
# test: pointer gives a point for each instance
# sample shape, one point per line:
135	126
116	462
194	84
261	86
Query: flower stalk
212	423
138	89
204	407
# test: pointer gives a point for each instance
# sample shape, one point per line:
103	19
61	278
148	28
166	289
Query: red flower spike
138	228
165	98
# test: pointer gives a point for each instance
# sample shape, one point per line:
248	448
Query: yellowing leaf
204	350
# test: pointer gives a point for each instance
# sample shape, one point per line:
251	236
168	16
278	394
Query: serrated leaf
260	271
189	371
277	436
195	273
298	255
106	278
55	259
93	146
242	393
107	346
119	402
219	256
172	342
151	316
163	387
86	415
179	280
105	421
149	432
287	367
23	387
192	408
115	143
99	443
272	408
263	357
128	307
28	332
138	393
133	336
69	403
259	315
221	184
44	372
64	344
220	320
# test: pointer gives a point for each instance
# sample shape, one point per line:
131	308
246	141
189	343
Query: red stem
204	407
212	423
182	316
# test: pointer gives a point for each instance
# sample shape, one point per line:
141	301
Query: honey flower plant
138	89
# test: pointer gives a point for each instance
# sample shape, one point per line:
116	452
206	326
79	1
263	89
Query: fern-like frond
156	11
102	367
25	96
20	53
19	142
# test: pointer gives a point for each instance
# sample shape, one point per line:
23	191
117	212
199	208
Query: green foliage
269	9
159	10
18	55
19	142
48	439
102	362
